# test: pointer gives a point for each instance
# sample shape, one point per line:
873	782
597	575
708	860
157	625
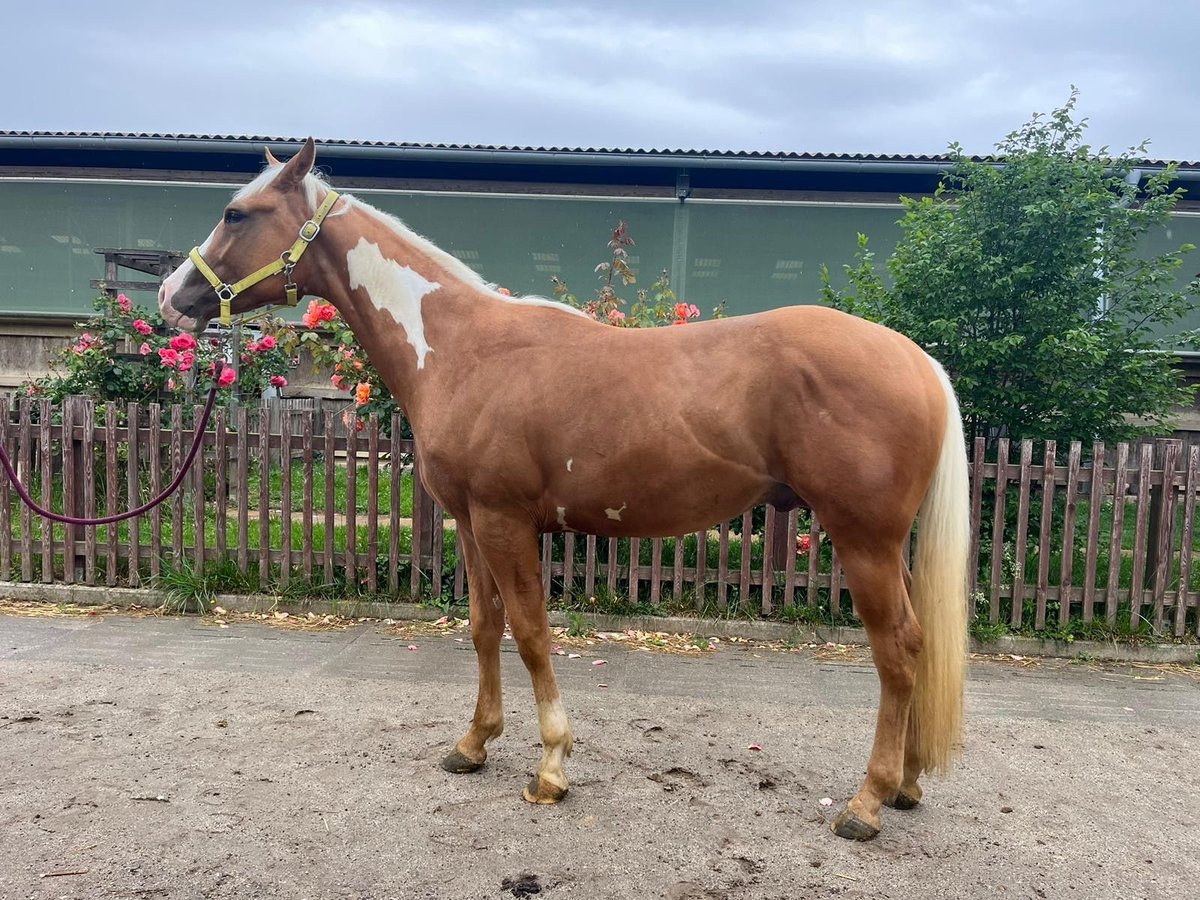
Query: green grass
818	609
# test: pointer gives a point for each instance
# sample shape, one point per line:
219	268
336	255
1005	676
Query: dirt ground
174	758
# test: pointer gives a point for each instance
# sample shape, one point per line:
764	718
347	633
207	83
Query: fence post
1166	453
783	551
419	527
74	413
423	511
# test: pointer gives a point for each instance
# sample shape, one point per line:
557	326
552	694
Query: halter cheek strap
285	264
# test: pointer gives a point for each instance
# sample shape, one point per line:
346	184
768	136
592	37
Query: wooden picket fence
296	501
1087	556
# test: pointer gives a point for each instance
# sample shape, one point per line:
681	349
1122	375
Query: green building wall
750	254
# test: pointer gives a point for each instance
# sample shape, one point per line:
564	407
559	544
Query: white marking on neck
615	514
562	516
394	289
569	463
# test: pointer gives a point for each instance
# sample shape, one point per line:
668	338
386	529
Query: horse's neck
414	315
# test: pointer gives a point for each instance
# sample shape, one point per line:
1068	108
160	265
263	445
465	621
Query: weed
447	605
802	614
577	625
184	589
987	632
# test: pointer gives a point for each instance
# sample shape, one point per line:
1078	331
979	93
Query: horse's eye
233	215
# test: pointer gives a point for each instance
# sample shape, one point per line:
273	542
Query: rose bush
651	307
124	353
334	352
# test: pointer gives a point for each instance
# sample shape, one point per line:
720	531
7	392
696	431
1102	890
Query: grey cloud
872	77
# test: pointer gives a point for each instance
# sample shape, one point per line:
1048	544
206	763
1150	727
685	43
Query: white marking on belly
615	514
569	462
394	289
562	516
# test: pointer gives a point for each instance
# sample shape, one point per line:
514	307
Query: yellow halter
285	264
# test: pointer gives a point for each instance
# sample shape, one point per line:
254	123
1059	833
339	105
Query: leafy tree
1023	277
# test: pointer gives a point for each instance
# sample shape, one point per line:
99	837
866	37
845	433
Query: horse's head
257	232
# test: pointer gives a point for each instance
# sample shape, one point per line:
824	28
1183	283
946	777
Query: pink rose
227	377
278	381
168	357
124	303
339	382
318	312
140	326
267	343
186	359
183	342
144	349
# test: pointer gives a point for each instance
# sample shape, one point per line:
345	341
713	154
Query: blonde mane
315	188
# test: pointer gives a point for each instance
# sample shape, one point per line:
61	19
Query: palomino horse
533	418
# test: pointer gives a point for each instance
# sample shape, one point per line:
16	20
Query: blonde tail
939	598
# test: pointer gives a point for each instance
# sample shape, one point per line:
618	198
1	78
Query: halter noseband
285	264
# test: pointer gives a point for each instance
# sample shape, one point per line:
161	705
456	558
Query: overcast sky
838	77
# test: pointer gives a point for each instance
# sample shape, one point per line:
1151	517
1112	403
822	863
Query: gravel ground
172	758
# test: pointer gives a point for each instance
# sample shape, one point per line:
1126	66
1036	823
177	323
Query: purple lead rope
23	492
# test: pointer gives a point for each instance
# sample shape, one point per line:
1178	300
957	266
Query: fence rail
292	501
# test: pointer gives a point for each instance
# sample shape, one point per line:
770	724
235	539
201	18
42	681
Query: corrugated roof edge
678	154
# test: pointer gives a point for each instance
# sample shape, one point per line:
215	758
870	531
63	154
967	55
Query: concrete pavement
172	758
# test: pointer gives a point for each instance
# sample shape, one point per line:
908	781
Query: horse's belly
643	508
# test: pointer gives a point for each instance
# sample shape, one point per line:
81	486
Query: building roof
676	153
649	167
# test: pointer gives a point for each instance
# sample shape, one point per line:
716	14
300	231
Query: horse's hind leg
874	577
909	794
510	548
487	628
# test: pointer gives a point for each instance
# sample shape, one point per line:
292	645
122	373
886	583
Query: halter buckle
226	293
290	288
309	231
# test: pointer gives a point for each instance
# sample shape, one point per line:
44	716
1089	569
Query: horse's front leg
487	628
510	548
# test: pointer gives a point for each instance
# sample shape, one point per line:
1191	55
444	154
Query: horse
531	417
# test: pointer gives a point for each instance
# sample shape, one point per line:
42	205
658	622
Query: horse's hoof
541	791
848	825
902	800
460	764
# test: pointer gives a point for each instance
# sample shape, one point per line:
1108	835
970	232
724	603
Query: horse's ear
271	160
298	166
